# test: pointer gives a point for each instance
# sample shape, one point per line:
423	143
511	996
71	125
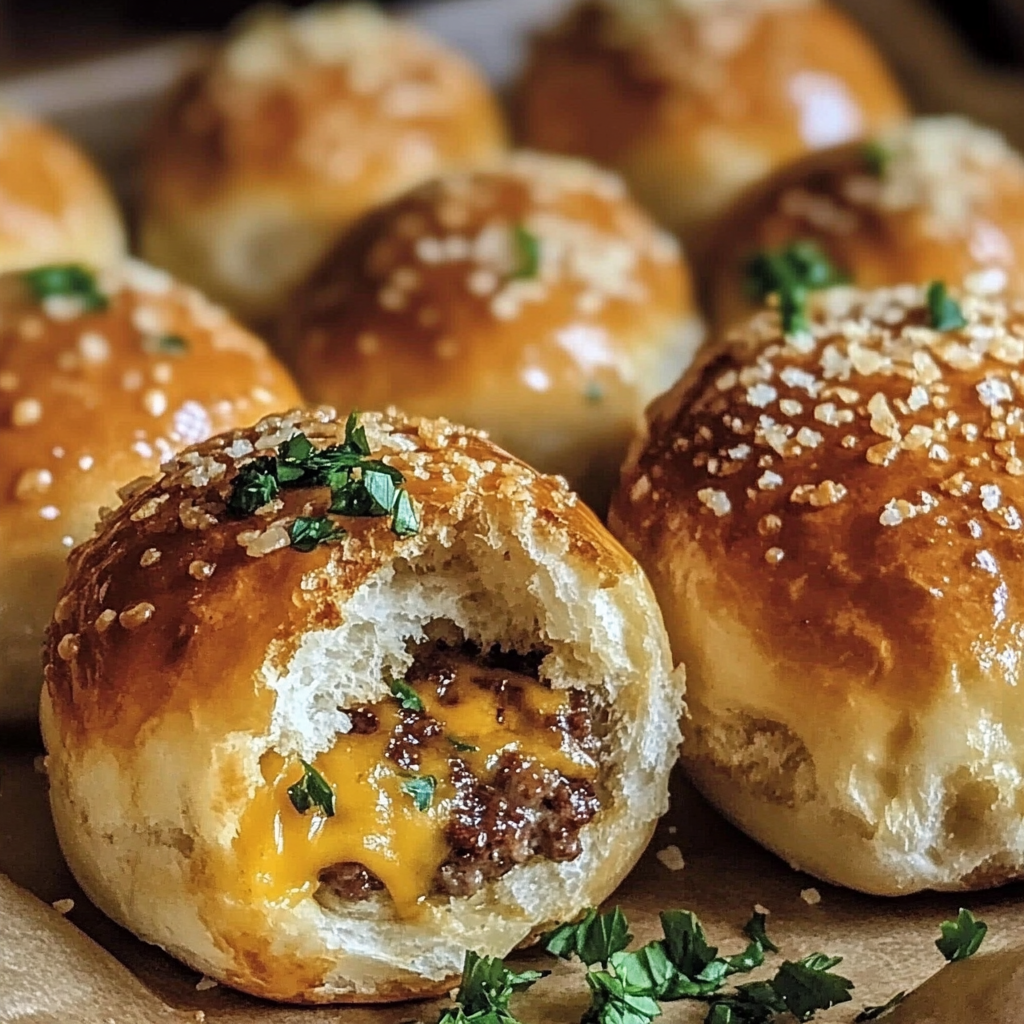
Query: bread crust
54	205
535	291
833	527
89	401
150	661
938	198
691	102
296	126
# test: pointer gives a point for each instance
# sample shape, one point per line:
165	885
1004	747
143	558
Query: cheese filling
474	768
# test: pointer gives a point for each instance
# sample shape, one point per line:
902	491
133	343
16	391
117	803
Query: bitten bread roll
832	524
54	206
535	301
319	756
298	125
692	100
938	198
102	377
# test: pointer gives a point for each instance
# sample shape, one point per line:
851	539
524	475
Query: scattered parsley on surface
961	938
312	790
69	280
421	788
944	312
408	698
527	251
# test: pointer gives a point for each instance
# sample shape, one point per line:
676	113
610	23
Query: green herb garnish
312	790
408	698
359	485
876	157
612	1001
874	1012
944	312
791	273
421	789
254	486
527	248
593	393
308	532
809	985
463	748
594	939
69	280
165	345
962	937
754	930
486	991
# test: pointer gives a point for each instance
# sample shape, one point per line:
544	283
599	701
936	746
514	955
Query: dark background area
33	31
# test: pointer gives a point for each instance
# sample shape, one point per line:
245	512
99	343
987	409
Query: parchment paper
50	973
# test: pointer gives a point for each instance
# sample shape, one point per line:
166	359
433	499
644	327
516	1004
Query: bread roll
692	100
296	126
102	377
832	524
54	206
937	198
534	300
343	764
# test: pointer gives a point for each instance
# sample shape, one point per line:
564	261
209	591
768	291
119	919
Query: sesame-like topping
717	501
137	615
26	412
201	570
67	648
149	557
105	620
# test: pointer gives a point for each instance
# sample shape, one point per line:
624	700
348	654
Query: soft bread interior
491	581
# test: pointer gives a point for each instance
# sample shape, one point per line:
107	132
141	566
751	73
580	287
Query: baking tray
696	860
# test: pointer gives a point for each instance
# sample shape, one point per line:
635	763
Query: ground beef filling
523	810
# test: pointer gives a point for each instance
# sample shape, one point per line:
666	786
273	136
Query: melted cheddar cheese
280	853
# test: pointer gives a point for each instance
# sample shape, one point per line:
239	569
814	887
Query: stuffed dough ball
103	376
692	100
534	300
330	702
832	522
938	198
297	125
55	206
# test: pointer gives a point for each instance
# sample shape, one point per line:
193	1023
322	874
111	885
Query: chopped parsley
408	698
754	930
421	789
877	157
593	393
165	345
612	1001
527	252
594	940
254	486
312	790
486	991
461	746
874	1012
791	273
359	485
962	937
309	532
69	280
944	312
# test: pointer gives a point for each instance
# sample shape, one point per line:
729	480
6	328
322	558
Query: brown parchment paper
50	971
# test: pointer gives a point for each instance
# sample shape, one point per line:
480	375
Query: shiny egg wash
472	767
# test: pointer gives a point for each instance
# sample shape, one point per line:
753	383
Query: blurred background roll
296	126
535	300
937	198
102	378
691	100
54	205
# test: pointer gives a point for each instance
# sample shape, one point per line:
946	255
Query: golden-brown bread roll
692	100
102	377
295	127
54	206
342	764
534	300
938	198
832	524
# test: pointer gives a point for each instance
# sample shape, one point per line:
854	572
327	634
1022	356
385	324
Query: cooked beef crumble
525	810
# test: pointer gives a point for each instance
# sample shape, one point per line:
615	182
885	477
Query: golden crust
54	206
426	303
185	639
297	126
859	492
936	199
90	401
693	102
